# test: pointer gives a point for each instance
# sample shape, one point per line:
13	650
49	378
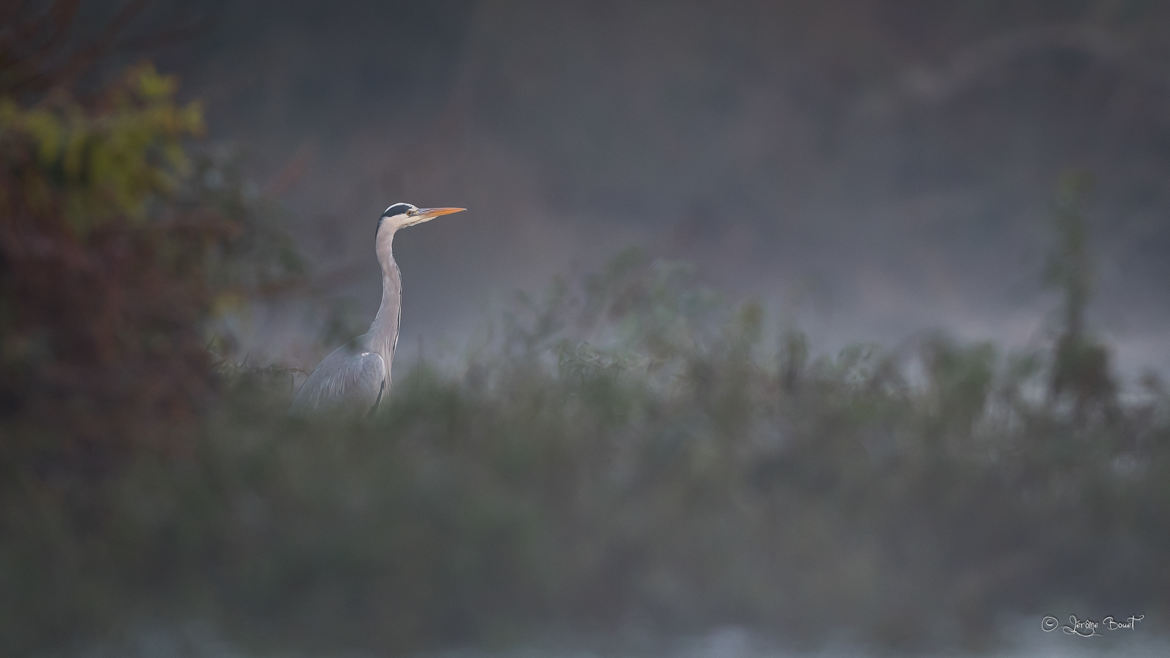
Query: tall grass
676	471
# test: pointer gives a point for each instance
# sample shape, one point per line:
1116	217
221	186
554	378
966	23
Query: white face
401	215
397	215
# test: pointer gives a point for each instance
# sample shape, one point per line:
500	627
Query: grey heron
356	376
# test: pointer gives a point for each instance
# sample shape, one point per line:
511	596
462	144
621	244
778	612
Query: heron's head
401	215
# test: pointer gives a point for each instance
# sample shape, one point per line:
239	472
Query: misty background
869	169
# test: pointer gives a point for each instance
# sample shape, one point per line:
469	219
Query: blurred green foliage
98	167
103	292
119	243
1081	365
120	246
580	475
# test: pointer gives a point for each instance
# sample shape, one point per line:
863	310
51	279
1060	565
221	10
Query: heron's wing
346	378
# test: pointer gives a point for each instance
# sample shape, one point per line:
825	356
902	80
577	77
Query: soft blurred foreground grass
627	454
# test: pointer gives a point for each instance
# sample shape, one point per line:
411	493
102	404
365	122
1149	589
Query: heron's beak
427	214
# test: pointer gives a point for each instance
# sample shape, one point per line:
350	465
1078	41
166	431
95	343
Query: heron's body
356	376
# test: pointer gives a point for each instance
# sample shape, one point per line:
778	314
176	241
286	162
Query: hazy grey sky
883	169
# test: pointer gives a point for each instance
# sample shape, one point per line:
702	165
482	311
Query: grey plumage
349	377
356	376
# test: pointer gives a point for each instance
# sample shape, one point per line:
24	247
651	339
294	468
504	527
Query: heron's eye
412	212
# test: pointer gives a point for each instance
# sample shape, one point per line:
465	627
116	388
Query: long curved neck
383	334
